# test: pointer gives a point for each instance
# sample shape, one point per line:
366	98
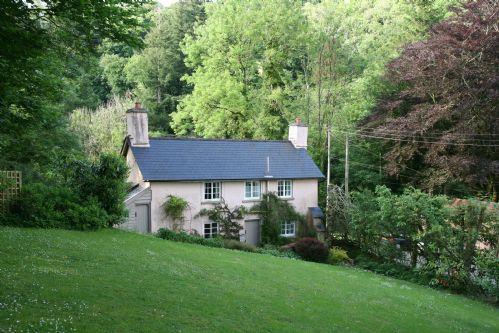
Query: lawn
114	281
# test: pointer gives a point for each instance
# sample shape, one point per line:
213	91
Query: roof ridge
190	138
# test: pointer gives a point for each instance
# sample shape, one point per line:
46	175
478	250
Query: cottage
203	171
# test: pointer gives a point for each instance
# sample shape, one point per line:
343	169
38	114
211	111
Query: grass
114	281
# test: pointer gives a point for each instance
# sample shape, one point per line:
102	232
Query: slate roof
175	159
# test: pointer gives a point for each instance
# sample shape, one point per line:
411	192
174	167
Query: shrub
337	256
311	249
276	252
184	237
237	245
54	206
104	179
273	211
226	218
174	208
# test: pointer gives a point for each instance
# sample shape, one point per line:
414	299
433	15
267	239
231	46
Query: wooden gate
10	186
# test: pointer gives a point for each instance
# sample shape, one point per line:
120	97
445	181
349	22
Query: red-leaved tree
443	120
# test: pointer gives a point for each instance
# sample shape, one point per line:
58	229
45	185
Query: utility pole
328	156
346	167
328	180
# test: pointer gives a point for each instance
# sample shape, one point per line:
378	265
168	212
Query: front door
142	218
252	230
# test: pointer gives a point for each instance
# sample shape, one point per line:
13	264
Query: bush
276	252
237	245
54	206
311	249
184	237
337	256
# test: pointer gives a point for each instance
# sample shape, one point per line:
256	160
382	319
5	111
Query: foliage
104	179
226	218
338	256
237	245
156	70
101	130
184	237
46	41
81	194
437	243
311	249
337	210
273	211
246	62
276	252
54	206
174	208
442	118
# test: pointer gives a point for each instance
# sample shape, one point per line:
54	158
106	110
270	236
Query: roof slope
169	159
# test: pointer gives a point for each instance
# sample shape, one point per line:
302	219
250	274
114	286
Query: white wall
305	194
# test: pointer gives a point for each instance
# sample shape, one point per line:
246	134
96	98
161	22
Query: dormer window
252	190
212	190
284	189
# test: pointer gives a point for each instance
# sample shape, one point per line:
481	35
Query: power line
418	141
430	136
435	133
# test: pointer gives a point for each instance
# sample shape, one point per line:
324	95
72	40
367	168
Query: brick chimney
137	126
298	134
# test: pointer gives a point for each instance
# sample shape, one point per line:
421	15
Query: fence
10	186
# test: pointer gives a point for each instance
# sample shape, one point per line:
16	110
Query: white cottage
203	171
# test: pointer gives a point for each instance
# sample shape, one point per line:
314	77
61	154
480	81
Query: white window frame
283	187
210	229
288	229
255	189
209	194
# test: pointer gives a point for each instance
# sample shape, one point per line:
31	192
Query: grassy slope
124	282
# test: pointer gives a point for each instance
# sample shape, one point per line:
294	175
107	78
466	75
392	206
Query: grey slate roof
170	159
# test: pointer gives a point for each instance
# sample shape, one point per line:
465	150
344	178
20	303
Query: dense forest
412	84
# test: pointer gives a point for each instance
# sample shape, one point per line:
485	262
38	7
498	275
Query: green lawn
114	281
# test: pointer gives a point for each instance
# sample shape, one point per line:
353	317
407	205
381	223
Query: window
284	189
212	191
287	229
252	190
210	229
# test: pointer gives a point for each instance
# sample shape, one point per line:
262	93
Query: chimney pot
298	134
138	106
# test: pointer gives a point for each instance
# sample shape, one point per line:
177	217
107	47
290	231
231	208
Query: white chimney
298	134
137	126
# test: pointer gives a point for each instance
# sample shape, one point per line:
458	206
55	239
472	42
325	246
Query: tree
443	119
246	63
43	38
101	130
157	70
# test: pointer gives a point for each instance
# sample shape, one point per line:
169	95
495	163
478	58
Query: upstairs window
288	229
210	230
252	190
284	189
212	190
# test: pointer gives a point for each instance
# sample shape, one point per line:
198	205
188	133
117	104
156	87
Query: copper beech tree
442	123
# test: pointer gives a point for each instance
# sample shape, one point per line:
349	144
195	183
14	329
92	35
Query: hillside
55	280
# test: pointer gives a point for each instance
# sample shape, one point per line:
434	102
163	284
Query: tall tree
444	119
156	71
42	38
247	64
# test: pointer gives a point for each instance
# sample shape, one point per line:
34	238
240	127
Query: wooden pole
328	180
346	167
